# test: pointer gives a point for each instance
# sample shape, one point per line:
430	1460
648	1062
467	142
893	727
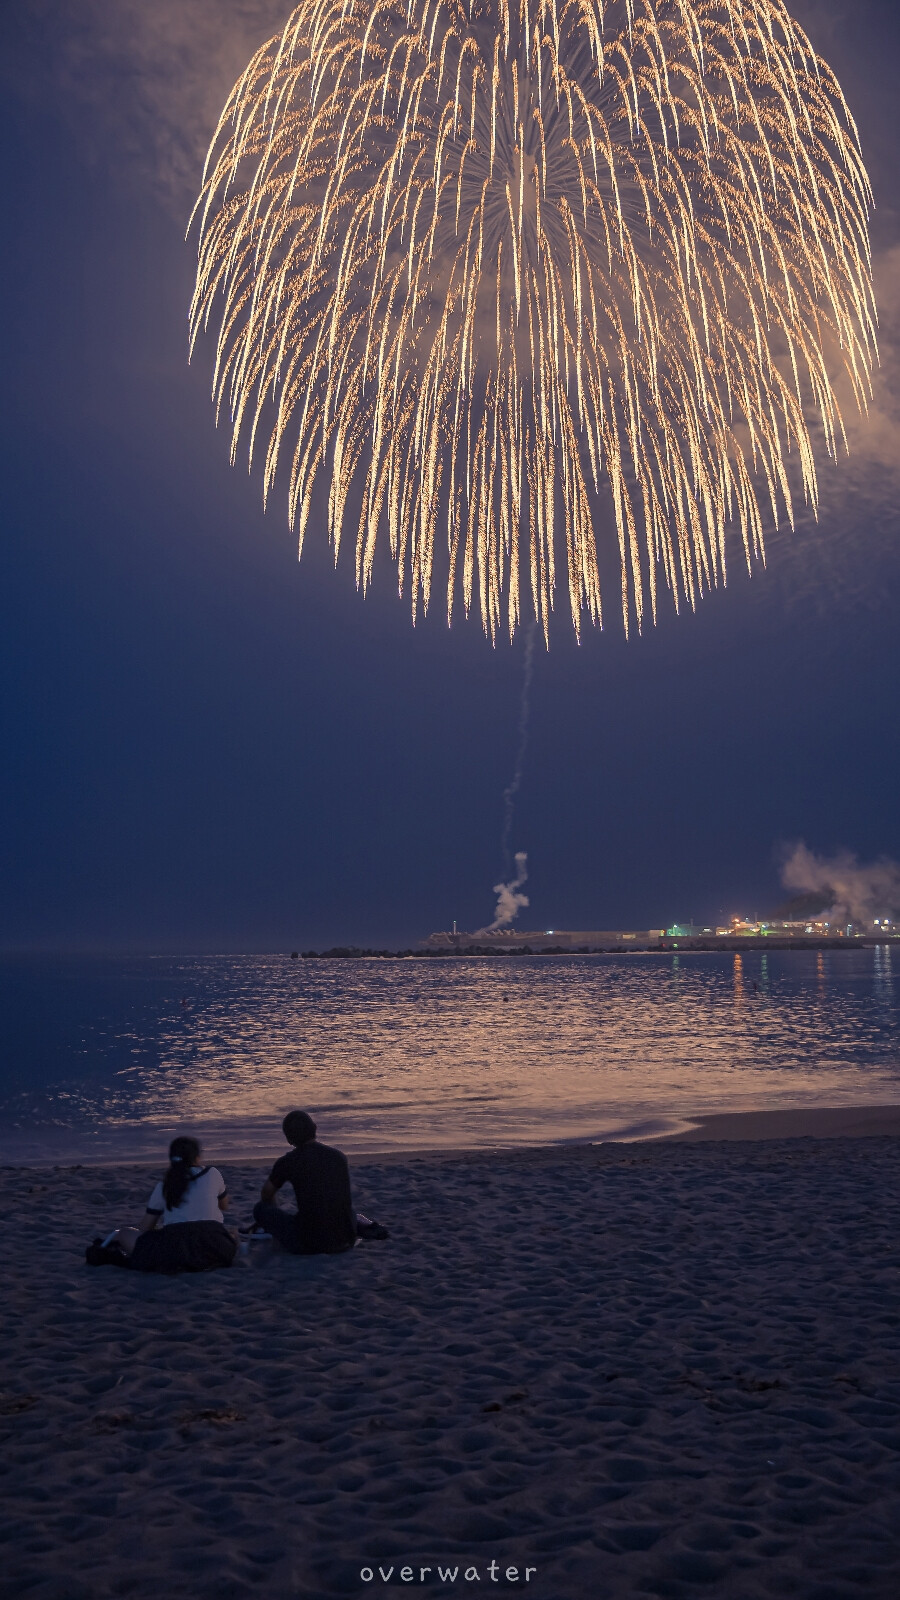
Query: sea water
104	1059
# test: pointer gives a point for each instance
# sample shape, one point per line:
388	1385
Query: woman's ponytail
184	1153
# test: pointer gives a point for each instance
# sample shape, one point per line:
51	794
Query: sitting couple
183	1230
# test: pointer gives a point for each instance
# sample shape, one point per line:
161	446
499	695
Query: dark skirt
184	1247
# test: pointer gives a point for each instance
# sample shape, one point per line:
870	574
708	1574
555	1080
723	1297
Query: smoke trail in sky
512	789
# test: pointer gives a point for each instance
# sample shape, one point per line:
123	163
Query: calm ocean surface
104	1059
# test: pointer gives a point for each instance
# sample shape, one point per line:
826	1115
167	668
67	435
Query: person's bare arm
149	1222
268	1192
224	1201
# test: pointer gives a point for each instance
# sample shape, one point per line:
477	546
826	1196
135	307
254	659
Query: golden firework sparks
499	274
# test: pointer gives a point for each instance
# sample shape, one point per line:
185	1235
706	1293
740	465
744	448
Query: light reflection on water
103	1057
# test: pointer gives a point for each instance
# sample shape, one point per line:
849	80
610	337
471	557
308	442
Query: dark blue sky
207	745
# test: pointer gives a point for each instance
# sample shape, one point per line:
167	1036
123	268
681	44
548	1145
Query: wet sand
667	1369
807	1122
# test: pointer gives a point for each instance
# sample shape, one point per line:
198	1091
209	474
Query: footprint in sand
210	1414
12	1404
510	1400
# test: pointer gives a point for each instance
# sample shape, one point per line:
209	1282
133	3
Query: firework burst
502	273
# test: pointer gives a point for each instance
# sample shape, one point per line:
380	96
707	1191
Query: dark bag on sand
180	1247
99	1254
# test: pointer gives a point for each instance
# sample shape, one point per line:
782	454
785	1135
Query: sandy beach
667	1369
817	1122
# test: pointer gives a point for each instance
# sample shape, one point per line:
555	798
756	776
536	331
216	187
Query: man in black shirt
325	1222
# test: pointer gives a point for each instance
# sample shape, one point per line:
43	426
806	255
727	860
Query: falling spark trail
498	280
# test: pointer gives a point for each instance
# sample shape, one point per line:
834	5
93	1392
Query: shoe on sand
366	1229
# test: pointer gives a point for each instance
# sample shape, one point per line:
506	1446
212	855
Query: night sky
206	745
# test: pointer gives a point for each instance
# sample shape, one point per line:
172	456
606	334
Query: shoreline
729	1127
698	945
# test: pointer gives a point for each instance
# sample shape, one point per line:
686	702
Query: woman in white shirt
182	1230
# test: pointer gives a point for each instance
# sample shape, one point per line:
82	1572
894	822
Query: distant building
690	935
545	939
812	927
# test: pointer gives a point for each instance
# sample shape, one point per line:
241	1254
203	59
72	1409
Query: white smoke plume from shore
509	899
858	891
